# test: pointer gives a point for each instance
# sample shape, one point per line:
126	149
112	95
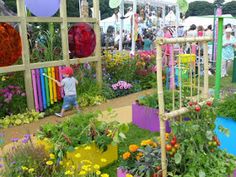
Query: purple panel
147	118
35	90
39	90
43	8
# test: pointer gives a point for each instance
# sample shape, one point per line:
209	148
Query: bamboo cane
161	109
199	70
162	41
50	77
206	69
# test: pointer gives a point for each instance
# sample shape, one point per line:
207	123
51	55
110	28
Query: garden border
23	19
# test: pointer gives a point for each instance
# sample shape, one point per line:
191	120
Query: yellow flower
128	175
87	148
126	155
78	155
76	148
31	170
98	173
52	156
103	160
82	173
86	161
133	148
68	172
3	78
104	175
49	162
96	167
24	168
61	162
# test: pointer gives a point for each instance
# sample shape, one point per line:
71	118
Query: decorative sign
114	3
43	8
10	45
82	40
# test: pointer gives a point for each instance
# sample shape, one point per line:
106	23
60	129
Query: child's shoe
58	115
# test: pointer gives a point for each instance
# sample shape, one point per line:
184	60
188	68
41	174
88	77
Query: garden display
83	137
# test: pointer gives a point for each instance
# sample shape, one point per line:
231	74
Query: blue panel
227	143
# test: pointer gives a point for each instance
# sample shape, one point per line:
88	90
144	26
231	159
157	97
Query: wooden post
98	41
206	69
64	33
161	109
25	53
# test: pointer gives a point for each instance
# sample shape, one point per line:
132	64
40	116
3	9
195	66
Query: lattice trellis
23	19
202	41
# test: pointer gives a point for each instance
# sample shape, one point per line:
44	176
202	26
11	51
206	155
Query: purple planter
147	118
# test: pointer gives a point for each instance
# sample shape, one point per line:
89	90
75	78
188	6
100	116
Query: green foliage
82	129
200	8
19	119
28	160
227	107
152	100
230	8
198	153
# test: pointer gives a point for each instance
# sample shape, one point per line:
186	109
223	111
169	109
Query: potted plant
145	111
83	137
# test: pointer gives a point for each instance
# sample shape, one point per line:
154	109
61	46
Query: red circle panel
10	45
82	40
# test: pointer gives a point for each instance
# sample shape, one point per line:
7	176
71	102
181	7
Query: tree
230	8
219	3
199	8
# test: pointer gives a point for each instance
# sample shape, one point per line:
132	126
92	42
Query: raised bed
87	152
147	118
228	143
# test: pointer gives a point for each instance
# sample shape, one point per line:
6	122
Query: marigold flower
87	148
103	160
98	173
133	148
78	155
104	175
68	172
61	162
49	162
96	167
52	156
146	142
82	173
126	155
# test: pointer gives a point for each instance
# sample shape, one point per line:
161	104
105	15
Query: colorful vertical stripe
46	92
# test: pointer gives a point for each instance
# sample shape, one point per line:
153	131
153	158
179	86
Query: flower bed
147	118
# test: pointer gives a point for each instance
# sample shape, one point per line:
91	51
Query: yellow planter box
86	152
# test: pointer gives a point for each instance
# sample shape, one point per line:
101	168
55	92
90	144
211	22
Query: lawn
134	136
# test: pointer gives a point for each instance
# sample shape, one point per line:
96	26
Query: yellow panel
187	58
54	87
50	86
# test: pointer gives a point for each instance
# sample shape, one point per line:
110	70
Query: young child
69	84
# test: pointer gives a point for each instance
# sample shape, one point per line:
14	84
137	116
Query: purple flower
15	139
27	136
1	165
13	163
25	140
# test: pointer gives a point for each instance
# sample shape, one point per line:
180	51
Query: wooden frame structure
182	110
23	19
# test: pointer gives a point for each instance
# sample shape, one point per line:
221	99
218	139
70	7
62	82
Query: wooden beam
12	68
162	41
206	70
83	60
76	19
98	42
47	64
64	32
44	19
25	53
10	19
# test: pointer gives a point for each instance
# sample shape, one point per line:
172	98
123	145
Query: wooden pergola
27	66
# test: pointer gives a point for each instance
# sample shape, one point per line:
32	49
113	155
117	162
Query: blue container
228	143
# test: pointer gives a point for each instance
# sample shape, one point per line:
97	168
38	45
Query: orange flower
146	142
133	148
167	136
126	155
138	157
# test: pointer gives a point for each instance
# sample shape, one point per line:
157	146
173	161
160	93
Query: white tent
170	18
207	20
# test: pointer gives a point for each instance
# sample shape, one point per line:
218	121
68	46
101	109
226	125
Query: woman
200	31
229	43
147	43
